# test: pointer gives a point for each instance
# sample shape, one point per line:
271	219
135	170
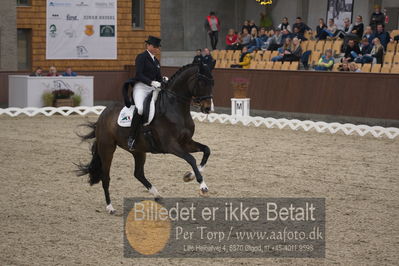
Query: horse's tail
94	168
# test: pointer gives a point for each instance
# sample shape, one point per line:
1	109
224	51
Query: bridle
198	99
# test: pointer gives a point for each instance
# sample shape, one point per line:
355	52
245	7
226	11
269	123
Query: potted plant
240	87
63	97
77	99
48	99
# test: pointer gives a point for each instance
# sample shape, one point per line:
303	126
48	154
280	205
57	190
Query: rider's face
153	49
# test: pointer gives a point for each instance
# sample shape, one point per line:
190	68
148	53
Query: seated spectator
252	25
331	28
326	62
245	59
295	52
245	37
321	34
285	25
368	33
232	42
343	67
254	44
198	57
262	37
208	60
37	73
275	41
378	51
351	47
282	50
301	25
377	18
245	26
358	28
353	67
52	72
69	73
297	34
382	35
346	31
365	53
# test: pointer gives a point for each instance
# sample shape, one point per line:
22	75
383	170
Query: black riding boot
134	130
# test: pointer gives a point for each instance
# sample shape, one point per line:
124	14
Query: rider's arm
140	62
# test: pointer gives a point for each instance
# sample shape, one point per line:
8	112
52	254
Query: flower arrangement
63	94
240	86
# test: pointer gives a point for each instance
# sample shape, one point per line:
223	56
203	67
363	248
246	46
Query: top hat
154	41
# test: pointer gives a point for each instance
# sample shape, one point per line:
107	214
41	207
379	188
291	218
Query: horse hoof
110	209
204	192
189	176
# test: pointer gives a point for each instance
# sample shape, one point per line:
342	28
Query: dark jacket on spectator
378	54
246	27
377	19
301	26
197	59
320	32
294	56
384	38
365	49
359	29
298	35
209	61
349	49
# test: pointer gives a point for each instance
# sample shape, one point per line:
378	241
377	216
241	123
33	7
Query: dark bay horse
171	131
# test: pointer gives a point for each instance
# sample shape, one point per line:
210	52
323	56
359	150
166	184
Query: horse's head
201	88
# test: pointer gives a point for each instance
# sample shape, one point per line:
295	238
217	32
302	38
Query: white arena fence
294	124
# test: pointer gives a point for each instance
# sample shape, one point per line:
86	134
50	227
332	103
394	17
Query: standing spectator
282	50
245	37
377	18
69	73
52	72
245	26
212	25
382	35
358	28
198	57
301	25
275	41
351	47
208	60
252	25
285	25
245	59
326	62
37	73
368	33
295	51
365	52
321	34
231	40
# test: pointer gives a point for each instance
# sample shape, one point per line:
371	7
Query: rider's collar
152	56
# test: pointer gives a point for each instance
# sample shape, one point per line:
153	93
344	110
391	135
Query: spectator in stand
351	47
245	38
344	67
245	26
232	42
245	59
358	28
378	51
295	51
282	50
331	28
212	25
301	25
297	34
207	59
275	41
254	44
285	25
37	73
321	34
377	18
326	62
52	72
368	33
252	25
382	35
365	53
353	67
286	34
69	73
346	30
262	36
198	57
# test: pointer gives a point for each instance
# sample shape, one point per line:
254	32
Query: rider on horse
148	78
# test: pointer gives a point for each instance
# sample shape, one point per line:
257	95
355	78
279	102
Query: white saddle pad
126	114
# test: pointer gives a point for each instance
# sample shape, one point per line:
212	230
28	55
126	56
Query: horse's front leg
194	146
180	152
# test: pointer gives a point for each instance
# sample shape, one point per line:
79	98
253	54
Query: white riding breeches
140	92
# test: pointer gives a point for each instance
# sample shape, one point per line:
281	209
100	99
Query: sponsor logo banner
81	29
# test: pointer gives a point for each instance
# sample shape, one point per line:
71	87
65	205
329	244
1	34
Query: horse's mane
178	72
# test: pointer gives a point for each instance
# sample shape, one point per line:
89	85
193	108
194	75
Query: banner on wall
81	29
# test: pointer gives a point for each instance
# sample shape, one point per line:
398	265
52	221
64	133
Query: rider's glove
165	79
156	84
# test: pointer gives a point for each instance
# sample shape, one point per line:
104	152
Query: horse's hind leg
106	153
139	161
194	146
